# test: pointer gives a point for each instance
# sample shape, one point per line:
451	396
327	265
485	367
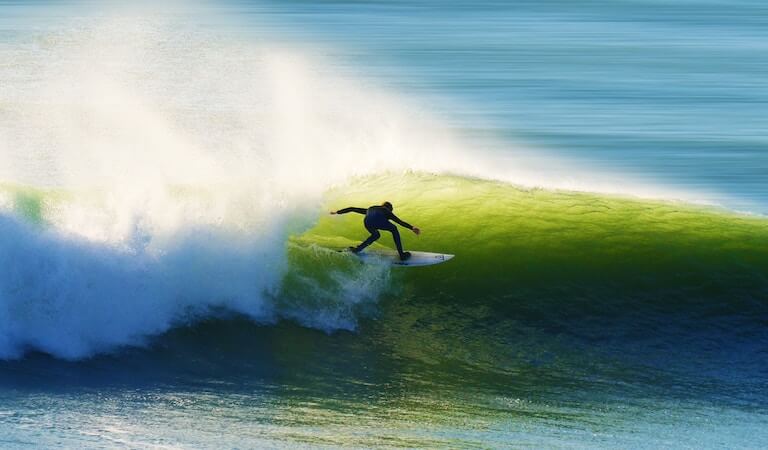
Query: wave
530	254
157	175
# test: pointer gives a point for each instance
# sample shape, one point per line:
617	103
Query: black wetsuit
378	218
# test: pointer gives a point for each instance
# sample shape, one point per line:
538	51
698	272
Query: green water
507	236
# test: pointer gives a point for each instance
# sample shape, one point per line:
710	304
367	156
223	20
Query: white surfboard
389	257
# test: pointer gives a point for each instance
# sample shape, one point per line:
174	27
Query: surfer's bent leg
371	239
396	237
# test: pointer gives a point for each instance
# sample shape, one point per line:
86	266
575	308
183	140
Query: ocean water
170	278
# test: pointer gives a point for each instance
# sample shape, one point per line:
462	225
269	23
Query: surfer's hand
333	213
416	230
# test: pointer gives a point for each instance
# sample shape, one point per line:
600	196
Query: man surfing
378	218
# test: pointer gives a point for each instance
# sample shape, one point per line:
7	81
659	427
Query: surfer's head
387	205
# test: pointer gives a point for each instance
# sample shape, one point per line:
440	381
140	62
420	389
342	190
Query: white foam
71	297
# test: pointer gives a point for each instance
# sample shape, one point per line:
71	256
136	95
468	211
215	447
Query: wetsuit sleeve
352	209
396	219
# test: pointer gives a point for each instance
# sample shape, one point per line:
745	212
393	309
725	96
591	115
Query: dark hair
387	205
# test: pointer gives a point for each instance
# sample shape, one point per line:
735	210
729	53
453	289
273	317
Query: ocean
171	278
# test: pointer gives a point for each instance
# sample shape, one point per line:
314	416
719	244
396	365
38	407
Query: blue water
164	170
669	91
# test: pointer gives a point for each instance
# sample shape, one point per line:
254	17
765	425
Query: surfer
378	218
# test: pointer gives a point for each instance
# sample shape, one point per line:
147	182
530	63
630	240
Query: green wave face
551	252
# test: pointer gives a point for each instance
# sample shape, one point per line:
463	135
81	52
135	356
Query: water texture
171	278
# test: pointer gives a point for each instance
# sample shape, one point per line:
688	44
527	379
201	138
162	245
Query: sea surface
171	278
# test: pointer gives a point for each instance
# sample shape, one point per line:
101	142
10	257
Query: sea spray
155	177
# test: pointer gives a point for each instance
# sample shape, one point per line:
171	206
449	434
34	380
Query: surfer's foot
354	250
405	255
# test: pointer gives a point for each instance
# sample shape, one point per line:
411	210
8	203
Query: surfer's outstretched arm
350	209
403	223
